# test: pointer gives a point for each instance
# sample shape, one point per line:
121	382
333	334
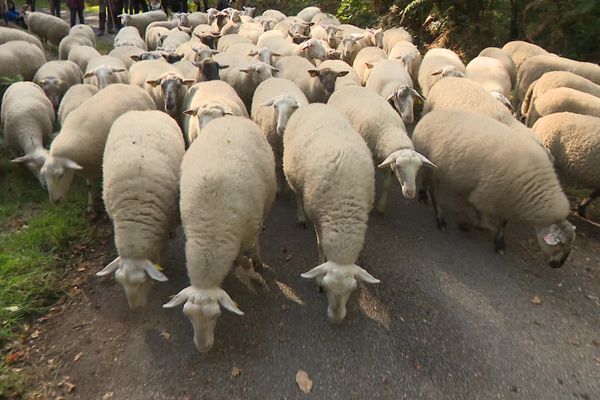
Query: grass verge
36	246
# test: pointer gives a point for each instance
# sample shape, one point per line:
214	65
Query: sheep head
58	173
34	161
203	308
170	86
284	105
402	99
135	275
339	281
556	241
52	87
405	164
327	78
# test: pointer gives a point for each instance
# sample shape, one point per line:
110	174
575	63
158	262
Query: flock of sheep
205	117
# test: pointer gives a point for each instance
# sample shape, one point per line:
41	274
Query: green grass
37	242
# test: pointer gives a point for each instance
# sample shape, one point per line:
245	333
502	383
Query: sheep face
58	172
203	308
331	35
376	36
299	32
349	46
249	11
207	113
284	105
53	88
556	241
405	164
182	19
327	78
171	87
150	55
103	74
135	275
267	24
339	281
204	53
402	99
125	19
209	38
208	70
314	49
448	70
264	54
260	71
34	161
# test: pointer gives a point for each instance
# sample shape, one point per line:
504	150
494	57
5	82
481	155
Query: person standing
55	8
105	10
76	8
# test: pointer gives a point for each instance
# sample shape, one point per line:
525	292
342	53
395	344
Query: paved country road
450	320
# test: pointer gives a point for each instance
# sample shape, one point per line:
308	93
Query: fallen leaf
69	386
597	359
35	334
166	335
235	371
14	357
303	381
536	300
108	396
78	356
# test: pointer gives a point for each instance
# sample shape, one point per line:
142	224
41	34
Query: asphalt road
451	319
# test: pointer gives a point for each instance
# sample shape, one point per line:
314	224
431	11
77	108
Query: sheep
71	41
391	80
294	28
274	102
81	55
564	100
437	64
325	19
141	21
229	40
308	13
385	134
491	74
129	36
329	167
553	80
369	55
574	142
27	120
73	98
206	101
393	36
155	36
275	14
410	56
263	54
197	18
163	82
125	54
140	168
207	69
505	58
173	23
313	49
520	51
535	67
336	68
277	44
233	25
227	189
80	142
502	177
11	34
47	27
175	38
56	77
22	58
189	70
251	31
351	44
248	11
267	23
83	30
327	33
105	70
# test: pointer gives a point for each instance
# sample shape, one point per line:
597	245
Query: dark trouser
104	11
31	4
117	9
79	12
55	8
135	6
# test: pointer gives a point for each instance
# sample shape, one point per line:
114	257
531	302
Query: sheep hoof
441	223
500	247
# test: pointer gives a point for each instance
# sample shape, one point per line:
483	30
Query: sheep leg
434	194
499	244
300	212
581	209
93	202
321	258
387	185
256	257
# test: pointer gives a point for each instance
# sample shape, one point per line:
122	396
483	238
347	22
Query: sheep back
73	98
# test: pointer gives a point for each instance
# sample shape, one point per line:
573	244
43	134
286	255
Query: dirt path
451	319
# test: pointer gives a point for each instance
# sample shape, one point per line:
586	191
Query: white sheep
351	44
206	101
564	100
206	35
70	41
329	167
8	34
251	31
140	168
552	80
227	41
22	58
155	36
164	83
81	55
73	98
275	14
141	21
437	64
574	142
227	189
275	100
197	18
325	19
391	80
48	27
410	56
56	77
27	120
491	74
233	25
80	142
308	13
520	51
327	33
393	36
505	58
124	53
84	30
338	69
172	23
532	69
502	176
129	36
385	134
368	55
105	70
189	70
175	38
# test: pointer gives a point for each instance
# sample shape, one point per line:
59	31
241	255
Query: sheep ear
188	81
196	63
416	94
246	70
68	163
313	72
361	274
439	71
136	58
391	159
192	111
342	73
227	303
178	299
276	54
223	66
552	239
89	74
369	65
425	160
41	82
357	36
273	69
116	69
154	272
316	271
22	159
154	83
110	268
269	103
252	53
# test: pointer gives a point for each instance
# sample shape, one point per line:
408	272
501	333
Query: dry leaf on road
303	381
108	396
235	371
536	300
166	335
78	356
